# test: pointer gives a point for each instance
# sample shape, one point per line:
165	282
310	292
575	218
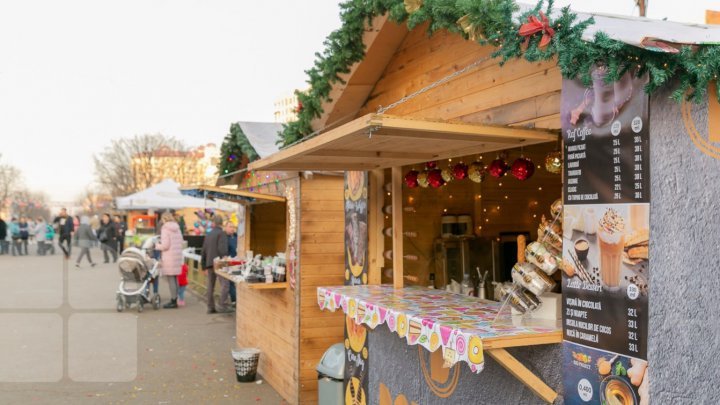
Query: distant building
712	17
195	166
286	108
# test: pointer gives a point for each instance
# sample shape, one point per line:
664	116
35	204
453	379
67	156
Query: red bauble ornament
522	168
497	168
411	179
460	171
431	165
435	178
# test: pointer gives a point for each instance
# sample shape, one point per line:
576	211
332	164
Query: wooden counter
462	327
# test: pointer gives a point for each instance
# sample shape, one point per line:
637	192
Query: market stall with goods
289	243
502	222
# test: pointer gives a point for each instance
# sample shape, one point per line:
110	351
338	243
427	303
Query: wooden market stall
416	98
488	110
301	215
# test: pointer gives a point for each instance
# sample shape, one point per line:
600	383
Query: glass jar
539	255
532	278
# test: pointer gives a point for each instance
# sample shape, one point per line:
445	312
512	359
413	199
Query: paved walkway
62	342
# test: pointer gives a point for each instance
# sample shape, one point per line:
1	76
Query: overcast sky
76	73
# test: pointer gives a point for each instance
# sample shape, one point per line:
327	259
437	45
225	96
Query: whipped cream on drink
612	225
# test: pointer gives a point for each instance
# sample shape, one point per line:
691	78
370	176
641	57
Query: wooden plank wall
266	320
267	228
322	224
518	93
526	203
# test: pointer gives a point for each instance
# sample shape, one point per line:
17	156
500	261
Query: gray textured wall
397	365
684	336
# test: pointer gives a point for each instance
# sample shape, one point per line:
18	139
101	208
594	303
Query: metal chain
381	109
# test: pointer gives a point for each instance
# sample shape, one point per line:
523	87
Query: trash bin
331	372
246	363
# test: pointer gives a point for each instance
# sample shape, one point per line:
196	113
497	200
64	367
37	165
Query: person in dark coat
4	245
107	235
24	235
120	230
65	229
215	246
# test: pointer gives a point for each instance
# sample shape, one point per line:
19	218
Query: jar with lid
532	278
537	254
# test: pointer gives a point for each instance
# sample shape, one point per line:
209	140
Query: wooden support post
248	216
397	226
376	222
519	371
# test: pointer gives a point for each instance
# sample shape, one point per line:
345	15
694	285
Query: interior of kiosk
463	236
447	233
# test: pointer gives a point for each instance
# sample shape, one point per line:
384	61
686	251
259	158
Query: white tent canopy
164	195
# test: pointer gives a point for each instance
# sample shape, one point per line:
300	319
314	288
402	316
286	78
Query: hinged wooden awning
380	141
228	194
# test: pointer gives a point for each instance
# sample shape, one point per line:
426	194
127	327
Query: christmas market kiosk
290	229
499	175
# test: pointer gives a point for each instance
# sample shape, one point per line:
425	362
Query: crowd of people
85	232
108	233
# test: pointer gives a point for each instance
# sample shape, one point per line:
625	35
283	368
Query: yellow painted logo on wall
708	143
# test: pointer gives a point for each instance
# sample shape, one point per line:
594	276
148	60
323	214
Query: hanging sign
606	239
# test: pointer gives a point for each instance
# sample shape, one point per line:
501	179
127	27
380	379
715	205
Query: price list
605	165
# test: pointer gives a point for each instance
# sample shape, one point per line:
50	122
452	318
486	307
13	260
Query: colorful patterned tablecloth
432	318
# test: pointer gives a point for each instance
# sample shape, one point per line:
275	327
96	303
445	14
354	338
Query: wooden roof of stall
229	194
380	141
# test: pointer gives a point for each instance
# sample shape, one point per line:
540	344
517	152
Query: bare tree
30	204
92	201
132	164
10	182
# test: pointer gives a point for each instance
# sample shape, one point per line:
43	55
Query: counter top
238	279
462	326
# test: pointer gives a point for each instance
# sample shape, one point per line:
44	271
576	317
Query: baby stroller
138	270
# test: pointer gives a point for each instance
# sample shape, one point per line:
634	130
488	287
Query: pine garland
693	69
234	147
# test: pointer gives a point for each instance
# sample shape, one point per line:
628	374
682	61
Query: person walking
107	235
182	284
120	231
39	232
24	235
85	238
65	228
3	236
215	246
171	258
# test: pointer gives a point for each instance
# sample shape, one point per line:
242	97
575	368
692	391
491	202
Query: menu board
606	238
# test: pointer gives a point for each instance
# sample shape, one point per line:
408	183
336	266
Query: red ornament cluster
431	176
